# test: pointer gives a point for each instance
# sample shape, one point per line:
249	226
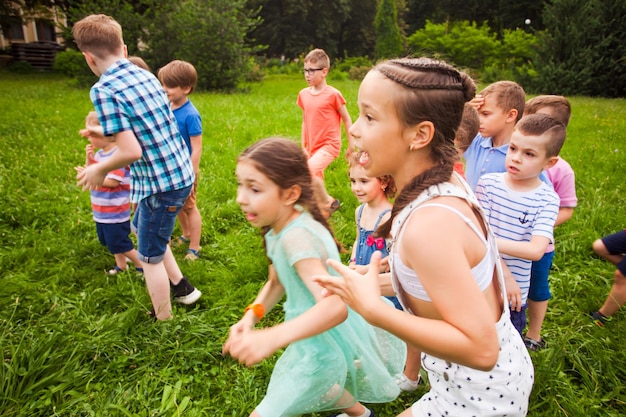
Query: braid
435	175
443	91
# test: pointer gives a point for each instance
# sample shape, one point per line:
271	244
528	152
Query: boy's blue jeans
154	221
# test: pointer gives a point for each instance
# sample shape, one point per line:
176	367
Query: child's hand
477	102
250	346
513	291
89	177
89	152
92	131
360	292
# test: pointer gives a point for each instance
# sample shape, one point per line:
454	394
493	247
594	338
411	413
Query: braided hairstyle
428	90
285	164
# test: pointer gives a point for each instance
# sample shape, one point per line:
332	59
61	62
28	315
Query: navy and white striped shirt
518	216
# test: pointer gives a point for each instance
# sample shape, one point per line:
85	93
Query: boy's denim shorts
154	221
539	272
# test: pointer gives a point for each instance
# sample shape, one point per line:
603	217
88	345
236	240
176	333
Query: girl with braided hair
445	267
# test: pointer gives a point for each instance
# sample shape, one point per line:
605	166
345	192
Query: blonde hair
93	125
509	95
561	109
319	57
139	62
178	74
99	35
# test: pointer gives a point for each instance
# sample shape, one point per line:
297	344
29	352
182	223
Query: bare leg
536	314
120	261
600	250
194	227
413	363
132	255
183	219
159	289
616	297
172	269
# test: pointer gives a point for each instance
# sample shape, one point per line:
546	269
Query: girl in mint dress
333	358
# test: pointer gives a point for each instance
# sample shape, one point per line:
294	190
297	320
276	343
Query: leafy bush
163	30
348	63
71	63
478	49
20	67
358	73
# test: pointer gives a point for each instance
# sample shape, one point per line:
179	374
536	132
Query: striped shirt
128	98
111	204
518	216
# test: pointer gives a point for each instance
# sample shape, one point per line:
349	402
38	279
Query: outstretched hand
360	292
89	177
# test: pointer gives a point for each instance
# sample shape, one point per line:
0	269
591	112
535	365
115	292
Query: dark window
45	31
16	32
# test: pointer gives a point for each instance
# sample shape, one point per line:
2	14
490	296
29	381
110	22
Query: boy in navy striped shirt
522	209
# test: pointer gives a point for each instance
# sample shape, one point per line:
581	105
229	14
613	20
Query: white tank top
404	277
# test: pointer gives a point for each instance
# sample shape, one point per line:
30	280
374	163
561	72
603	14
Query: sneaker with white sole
405	384
184	292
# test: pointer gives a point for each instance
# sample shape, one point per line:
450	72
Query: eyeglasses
311	71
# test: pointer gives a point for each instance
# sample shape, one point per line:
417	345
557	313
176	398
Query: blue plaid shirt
129	98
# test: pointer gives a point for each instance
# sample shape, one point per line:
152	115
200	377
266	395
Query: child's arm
533	250
347	123
513	291
128	151
459	327
352	263
196	152
89	155
252	346
565	213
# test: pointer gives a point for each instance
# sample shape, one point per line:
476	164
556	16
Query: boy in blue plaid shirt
132	106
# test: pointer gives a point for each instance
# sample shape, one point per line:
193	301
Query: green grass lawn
76	342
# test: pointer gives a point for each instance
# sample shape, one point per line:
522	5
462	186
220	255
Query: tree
389	42
211	34
583	49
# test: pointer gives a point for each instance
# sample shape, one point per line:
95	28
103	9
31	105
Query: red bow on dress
379	242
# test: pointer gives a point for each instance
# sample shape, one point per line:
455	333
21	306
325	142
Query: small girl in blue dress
374	194
333	358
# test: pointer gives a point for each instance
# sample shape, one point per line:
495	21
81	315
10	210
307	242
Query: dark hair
428	90
285	164
562	111
540	124
387	180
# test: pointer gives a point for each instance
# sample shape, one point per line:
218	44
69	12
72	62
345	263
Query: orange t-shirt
321	120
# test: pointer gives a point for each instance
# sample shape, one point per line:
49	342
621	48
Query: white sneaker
405	384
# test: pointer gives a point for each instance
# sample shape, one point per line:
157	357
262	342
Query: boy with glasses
323	110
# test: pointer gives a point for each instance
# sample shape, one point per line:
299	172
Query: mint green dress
312	373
